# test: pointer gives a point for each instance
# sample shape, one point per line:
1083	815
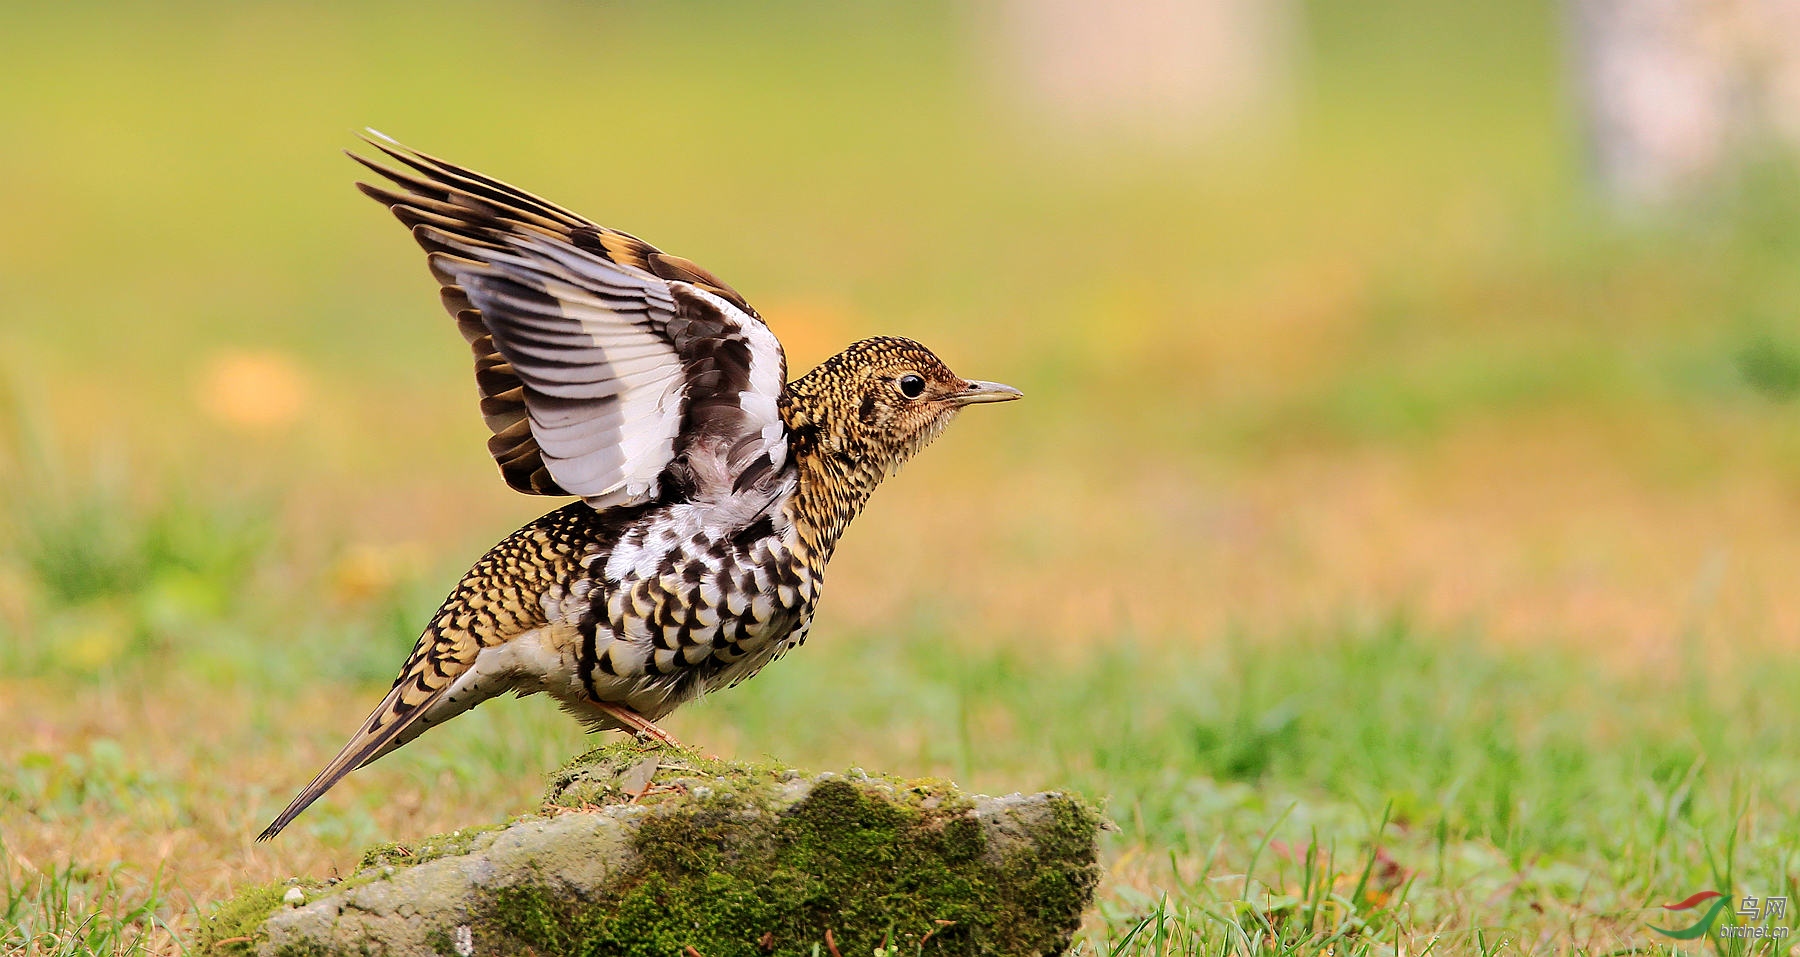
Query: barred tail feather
379	734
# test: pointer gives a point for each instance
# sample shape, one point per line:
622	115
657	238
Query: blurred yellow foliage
366	570
254	391
95	640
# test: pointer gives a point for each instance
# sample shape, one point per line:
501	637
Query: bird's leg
638	723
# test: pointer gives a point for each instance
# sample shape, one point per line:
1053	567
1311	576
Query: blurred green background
1372	458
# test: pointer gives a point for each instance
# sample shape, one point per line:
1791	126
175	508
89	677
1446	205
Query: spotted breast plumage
712	491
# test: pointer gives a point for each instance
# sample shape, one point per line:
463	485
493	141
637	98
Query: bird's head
874	405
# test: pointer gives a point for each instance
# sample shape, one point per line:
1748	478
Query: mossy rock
651	852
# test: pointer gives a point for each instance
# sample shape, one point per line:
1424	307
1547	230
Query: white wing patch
768	371
607	373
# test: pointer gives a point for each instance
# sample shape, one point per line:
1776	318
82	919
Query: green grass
1358	788
71	910
1522	794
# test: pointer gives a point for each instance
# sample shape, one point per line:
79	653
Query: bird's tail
497	601
398	712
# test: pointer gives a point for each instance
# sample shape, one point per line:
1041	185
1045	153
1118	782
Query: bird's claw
645	729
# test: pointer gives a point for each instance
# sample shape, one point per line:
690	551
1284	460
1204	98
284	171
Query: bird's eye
912	386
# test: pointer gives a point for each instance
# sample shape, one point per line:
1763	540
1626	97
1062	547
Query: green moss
606	775
235	926
393	854
1041	889
866	860
386	854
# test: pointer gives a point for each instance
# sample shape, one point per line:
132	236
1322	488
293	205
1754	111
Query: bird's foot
643	727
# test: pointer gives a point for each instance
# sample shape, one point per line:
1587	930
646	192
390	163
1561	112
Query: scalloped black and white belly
684	603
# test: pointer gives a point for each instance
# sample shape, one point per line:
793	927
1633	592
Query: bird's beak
974	392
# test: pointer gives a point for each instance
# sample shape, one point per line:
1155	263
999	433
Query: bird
710	491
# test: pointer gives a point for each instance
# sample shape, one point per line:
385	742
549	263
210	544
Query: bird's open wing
600	360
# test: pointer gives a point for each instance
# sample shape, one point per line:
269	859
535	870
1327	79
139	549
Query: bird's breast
686	605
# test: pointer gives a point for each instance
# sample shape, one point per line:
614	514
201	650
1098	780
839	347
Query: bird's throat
835	476
833	488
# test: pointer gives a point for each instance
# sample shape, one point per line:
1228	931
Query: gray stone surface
652	852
